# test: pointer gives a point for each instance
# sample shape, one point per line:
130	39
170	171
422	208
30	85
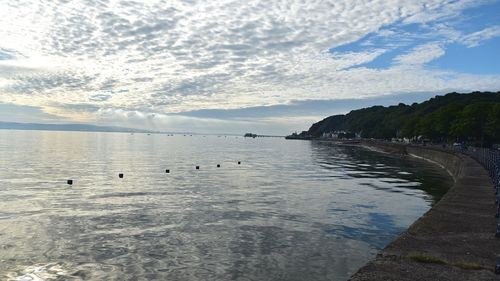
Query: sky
268	67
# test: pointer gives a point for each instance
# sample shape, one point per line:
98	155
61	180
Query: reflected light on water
293	210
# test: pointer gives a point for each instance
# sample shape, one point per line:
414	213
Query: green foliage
493	123
471	266
426	259
473	117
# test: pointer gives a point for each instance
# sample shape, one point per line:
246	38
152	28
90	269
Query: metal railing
490	160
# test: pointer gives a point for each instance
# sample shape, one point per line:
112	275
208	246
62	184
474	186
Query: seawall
455	239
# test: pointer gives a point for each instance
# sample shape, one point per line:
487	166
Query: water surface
293	210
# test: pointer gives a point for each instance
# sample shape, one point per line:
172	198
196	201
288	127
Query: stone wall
448	160
455	239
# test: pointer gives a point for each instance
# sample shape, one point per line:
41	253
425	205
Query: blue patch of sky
402	34
355	46
479	17
6	55
483	59
396	39
382	61
402	38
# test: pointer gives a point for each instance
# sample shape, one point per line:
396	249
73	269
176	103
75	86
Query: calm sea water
293	210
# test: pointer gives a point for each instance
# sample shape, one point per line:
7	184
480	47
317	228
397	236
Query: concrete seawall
455	240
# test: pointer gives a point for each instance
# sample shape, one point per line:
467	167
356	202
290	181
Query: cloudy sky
236	66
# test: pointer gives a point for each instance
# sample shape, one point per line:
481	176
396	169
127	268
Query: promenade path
455	240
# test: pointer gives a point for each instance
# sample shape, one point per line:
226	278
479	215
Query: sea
255	209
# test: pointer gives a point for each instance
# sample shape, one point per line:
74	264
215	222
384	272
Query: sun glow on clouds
122	61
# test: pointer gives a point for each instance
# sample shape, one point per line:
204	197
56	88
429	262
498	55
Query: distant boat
250	135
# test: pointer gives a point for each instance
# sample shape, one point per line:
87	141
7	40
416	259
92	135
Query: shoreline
455	239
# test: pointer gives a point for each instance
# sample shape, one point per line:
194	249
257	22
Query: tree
493	123
473	117
471	123
444	118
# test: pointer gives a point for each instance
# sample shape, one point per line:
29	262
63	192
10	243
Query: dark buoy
120	175
167	171
70	182
197	167
218	165
239	162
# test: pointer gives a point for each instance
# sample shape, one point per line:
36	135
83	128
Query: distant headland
473	118
68	127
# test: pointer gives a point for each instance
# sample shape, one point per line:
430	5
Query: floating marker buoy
70	182
120	175
197	167
167	171
218	165
239	162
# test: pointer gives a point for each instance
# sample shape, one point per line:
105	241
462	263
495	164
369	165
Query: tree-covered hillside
473	117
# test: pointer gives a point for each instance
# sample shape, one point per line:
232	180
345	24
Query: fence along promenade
459	231
490	160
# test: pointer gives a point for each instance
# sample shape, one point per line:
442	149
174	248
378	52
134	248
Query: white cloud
179	123
172	56
350	59
476	38
441	10
421	54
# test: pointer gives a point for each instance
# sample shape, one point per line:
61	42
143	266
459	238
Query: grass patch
431	259
470	266
426	259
